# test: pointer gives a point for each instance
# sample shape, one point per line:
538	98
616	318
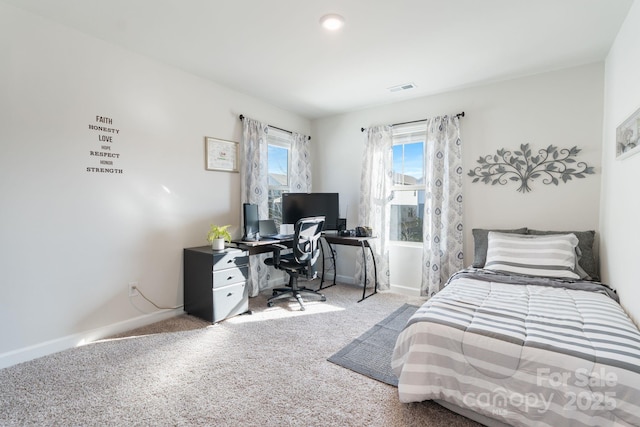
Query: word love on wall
102	152
550	164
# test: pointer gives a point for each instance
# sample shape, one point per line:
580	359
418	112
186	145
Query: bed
525	337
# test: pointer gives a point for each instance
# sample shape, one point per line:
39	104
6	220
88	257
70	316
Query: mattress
526	351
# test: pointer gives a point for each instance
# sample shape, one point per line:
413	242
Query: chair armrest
276	248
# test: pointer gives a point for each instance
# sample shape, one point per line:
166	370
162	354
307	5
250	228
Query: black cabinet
215	282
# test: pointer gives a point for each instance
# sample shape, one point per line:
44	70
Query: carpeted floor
265	369
370	353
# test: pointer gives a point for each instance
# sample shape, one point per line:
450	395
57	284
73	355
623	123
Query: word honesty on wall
102	154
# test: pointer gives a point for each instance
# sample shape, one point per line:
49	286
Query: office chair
300	262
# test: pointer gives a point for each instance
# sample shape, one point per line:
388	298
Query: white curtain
254	184
442	228
299	181
254	188
374	208
300	174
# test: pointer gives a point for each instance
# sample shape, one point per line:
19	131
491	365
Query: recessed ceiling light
332	21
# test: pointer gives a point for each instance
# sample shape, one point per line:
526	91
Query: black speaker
342	224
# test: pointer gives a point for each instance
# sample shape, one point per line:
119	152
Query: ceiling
276	50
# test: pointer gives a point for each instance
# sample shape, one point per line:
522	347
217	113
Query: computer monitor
302	205
251	222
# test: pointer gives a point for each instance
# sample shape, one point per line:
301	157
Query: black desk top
259	242
208	250
347	240
261	246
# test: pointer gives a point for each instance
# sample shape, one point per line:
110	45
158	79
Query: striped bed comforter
525	351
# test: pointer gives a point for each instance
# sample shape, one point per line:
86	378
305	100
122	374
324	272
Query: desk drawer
229	301
230	276
230	258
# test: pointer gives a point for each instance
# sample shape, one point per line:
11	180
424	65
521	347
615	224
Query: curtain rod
414	121
275	127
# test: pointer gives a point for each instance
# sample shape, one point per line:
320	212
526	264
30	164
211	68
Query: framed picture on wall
627	136
221	155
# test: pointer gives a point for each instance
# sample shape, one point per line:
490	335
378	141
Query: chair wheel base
295	294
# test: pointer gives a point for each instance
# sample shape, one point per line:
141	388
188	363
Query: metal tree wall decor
550	164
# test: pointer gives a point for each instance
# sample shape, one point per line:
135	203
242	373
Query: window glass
275	205
408	164
278	161
407	211
407	205
278	169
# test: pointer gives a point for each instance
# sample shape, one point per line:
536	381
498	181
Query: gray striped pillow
546	256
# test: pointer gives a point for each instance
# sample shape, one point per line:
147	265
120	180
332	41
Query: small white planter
217	244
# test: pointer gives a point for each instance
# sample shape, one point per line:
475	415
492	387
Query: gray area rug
370	353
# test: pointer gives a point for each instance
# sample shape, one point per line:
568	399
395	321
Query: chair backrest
306	239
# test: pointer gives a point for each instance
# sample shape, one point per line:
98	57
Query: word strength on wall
102	155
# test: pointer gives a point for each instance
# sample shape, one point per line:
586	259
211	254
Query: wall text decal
550	164
103	154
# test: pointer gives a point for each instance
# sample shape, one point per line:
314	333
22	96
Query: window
407	206
278	159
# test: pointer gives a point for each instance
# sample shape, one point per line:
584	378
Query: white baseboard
328	278
25	354
405	290
398	289
341	279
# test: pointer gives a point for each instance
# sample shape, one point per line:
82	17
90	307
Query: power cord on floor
153	303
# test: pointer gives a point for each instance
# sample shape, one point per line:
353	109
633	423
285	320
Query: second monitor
251	227
301	205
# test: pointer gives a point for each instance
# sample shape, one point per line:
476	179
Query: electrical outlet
133	289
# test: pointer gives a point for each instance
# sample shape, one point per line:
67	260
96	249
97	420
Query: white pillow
533	255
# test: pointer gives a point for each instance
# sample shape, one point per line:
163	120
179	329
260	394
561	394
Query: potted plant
217	235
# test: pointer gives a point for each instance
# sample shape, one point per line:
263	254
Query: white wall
72	240
563	108
620	201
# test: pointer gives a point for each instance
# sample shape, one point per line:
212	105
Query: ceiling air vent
402	87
